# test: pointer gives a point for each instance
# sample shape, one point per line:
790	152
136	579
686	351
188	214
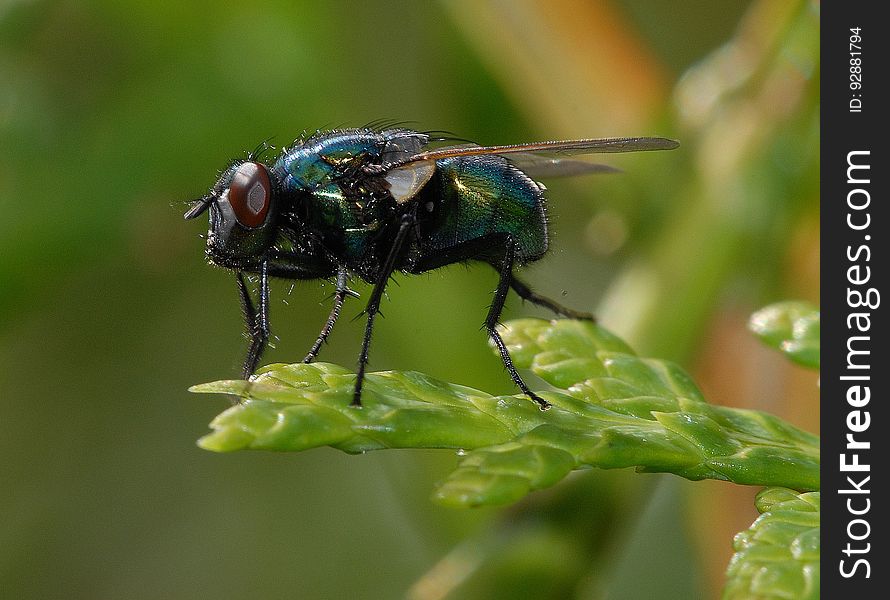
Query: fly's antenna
199	206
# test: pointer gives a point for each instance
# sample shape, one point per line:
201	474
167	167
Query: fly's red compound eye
250	194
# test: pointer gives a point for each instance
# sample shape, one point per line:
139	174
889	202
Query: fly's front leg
339	297
256	320
373	306
526	293
494	313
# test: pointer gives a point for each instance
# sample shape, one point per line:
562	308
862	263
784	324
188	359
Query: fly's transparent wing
544	165
406	176
566	147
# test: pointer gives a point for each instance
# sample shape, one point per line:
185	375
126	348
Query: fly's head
242	214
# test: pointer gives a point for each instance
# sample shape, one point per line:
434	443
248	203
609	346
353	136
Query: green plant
611	409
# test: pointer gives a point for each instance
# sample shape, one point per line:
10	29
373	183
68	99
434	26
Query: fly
368	203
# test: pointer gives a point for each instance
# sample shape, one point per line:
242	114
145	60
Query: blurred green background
114	113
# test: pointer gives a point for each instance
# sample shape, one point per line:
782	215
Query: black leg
339	297
373	306
257	321
526	293
491	322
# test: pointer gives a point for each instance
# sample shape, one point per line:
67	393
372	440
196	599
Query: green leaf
612	409
778	556
791	327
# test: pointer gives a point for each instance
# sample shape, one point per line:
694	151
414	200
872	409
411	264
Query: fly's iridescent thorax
333	195
242	214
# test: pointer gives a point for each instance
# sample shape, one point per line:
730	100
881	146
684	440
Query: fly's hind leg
494	313
526	293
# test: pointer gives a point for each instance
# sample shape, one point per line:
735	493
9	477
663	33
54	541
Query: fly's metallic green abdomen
481	196
367	203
